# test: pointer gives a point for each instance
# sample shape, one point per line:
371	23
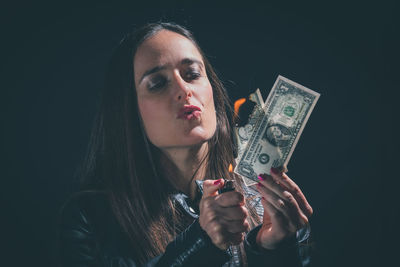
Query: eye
192	74
156	84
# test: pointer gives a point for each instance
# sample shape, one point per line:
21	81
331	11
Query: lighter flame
237	105
230	169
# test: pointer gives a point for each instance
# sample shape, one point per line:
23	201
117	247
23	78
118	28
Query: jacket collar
191	207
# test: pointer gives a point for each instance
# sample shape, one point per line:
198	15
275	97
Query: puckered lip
188	112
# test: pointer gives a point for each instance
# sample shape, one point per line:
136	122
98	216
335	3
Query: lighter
229	185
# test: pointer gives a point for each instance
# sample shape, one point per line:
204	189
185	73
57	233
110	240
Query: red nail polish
263	198
217	182
274	170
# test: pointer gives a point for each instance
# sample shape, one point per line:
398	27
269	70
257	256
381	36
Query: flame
237	105
230	169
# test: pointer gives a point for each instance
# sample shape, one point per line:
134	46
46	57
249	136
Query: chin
194	139
195	136
199	134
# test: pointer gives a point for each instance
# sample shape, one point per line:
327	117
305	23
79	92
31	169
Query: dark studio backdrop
54	57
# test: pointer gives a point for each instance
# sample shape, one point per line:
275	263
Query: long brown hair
122	162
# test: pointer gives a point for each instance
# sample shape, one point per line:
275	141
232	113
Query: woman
162	137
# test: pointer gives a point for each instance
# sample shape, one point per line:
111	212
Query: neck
190	165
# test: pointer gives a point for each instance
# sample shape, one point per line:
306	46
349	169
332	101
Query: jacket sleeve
80	246
291	253
193	247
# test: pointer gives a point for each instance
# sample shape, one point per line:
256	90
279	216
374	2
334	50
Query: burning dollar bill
273	129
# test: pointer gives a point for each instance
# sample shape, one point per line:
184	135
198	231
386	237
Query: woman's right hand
223	216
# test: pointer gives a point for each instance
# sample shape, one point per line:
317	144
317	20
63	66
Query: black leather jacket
91	236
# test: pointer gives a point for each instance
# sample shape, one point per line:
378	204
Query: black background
54	56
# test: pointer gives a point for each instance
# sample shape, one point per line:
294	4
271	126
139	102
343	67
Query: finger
283	169
214	231
229	199
295	213
269	182
289	207
237	226
297	216
210	187
232	213
236	239
294	189
225	239
278	203
277	219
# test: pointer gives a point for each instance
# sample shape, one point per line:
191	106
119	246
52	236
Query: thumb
268	209
210	187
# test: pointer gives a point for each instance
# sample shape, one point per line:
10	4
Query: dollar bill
276	134
244	133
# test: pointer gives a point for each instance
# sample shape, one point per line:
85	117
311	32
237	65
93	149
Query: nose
182	89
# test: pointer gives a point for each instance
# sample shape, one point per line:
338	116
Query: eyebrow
185	61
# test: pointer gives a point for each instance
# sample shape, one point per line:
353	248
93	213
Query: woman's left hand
286	209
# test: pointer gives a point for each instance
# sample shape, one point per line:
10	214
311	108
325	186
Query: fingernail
263	198
274	170
260	178
217	182
259	184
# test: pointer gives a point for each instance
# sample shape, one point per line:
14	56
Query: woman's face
175	97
